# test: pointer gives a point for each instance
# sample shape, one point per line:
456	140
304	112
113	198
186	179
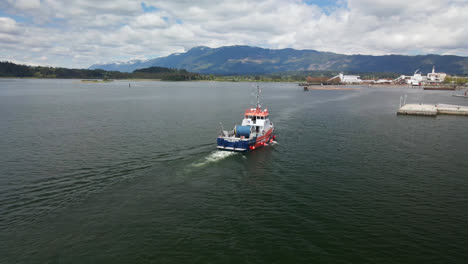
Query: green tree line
456	80
9	69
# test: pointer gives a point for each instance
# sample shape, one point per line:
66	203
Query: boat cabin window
254	117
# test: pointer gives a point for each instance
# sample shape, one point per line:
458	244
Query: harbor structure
383	81
432	110
417	79
436	76
348	79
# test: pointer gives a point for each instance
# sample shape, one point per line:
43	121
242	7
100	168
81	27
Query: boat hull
244	145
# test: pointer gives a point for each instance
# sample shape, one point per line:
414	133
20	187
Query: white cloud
149	20
8	25
25	4
82	32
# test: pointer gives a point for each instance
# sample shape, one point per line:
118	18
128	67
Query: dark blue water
104	173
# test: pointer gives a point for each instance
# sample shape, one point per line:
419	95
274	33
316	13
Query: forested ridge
10	69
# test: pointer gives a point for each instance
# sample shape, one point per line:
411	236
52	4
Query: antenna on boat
222	128
258	96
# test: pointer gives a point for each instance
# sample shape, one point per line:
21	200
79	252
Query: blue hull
240	145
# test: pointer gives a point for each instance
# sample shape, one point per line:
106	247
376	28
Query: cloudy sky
78	33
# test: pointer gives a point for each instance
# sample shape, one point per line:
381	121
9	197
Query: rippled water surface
104	173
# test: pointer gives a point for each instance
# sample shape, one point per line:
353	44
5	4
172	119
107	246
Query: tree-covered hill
9	69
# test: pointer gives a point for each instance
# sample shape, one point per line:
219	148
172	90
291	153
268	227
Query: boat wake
272	143
214	157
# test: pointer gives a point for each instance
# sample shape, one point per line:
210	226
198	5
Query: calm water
104	173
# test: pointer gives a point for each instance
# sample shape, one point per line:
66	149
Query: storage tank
242	131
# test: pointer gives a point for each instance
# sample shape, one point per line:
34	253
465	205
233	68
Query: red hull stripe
264	138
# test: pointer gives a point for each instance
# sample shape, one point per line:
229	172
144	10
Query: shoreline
310	87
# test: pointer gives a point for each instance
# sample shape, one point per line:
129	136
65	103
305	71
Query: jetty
433	110
308	88
440	88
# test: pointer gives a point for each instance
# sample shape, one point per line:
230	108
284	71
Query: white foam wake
272	143
215	157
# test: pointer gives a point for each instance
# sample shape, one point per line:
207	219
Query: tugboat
256	131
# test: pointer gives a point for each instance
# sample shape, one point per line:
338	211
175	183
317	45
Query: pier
440	88
433	110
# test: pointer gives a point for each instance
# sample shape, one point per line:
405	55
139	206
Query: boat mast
258	97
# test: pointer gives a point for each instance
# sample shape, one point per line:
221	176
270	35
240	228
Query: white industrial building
417	79
436	76
347	78
350	78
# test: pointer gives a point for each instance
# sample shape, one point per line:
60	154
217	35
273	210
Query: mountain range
231	60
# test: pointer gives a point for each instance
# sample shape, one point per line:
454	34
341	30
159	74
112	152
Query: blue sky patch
327	5
320	3
148	8
17	18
